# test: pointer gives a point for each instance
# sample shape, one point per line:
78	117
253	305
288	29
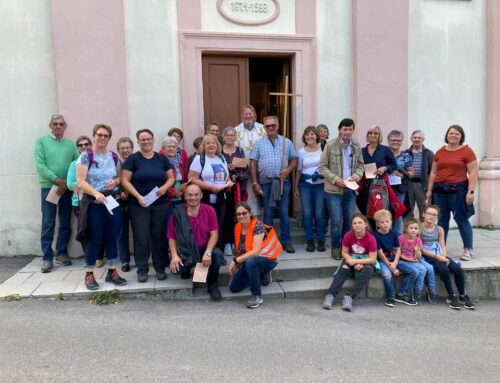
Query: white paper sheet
370	170
200	273
351	185
151	196
110	204
53	197
395	180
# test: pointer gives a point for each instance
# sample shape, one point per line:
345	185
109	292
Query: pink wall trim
189	15
90	65
380	65
193	45
305	17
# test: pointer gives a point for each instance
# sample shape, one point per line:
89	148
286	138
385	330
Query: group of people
184	210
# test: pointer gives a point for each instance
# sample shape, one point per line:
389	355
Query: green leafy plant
59	297
12	297
103	298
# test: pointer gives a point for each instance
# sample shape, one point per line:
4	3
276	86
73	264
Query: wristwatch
209	254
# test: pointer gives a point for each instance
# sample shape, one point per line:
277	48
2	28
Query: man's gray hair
418	131
228	129
55	117
395	133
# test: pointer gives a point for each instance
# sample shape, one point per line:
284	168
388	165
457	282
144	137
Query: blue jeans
102	226
448	203
422	269
429	272
282	207
398	225
123	238
341	208
411	275
249	274
312	198
49	211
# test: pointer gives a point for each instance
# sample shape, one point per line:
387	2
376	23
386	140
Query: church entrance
229	82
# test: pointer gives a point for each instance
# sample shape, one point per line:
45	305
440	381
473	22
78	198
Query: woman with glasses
98	176
256	254
144	171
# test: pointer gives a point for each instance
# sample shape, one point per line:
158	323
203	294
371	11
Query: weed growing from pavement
103	298
59	297
12	297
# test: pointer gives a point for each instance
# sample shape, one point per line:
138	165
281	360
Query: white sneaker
468	254
228	250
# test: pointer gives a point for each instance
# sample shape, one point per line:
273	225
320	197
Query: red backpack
378	197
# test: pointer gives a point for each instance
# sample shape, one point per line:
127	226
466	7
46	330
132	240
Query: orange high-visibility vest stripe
271	246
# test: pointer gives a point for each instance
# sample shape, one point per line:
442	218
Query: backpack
90	154
378	197
203	159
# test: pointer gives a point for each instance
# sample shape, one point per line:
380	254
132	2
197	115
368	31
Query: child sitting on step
434	251
389	254
359	254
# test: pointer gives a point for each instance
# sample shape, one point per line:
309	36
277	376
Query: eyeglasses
393	140
101	135
145	140
241	214
83	144
270	126
58	124
431	214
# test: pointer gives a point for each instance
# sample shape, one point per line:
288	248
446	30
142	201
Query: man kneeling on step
192	233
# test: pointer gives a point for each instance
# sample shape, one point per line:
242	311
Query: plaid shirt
268	156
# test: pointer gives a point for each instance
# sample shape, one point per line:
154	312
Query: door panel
225	89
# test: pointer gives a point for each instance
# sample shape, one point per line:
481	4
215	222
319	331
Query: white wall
334	47
27	99
153	80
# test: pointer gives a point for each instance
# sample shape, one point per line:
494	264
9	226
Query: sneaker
336	254
126	267
142	277
90	281
453	302
405	299
113	277
47	266
390	302
228	250
310	246
63	259
161	275
431	297
468	254
418	298
100	262
328	302
347	303
215	293
466	302
288	248
321	245
254	301
266	279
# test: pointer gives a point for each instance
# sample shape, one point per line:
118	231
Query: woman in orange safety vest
257	251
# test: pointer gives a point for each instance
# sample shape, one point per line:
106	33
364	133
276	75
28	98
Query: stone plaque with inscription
249	12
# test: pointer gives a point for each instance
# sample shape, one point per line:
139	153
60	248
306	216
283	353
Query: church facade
158	64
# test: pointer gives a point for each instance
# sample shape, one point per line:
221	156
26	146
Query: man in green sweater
53	155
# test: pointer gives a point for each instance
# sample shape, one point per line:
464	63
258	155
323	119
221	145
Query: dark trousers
148	227
343	273
444	273
213	270
227	232
123	238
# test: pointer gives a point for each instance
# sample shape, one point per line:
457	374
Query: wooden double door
229	82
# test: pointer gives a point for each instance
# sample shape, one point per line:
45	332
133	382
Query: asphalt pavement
285	340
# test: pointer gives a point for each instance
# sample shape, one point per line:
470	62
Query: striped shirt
417	164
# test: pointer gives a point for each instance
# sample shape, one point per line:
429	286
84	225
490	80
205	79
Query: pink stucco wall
90	64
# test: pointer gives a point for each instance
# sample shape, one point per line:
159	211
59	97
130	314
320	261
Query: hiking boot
126	267
142	277
418	298
321	245
390	302
254	301
405	299
113	277
161	275
466	302
336	254
90	281
288	248
228	249
63	259
100	262
310	246
453	302
328	302
214	293
347	303
431	297
468	254
47	266
266	279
